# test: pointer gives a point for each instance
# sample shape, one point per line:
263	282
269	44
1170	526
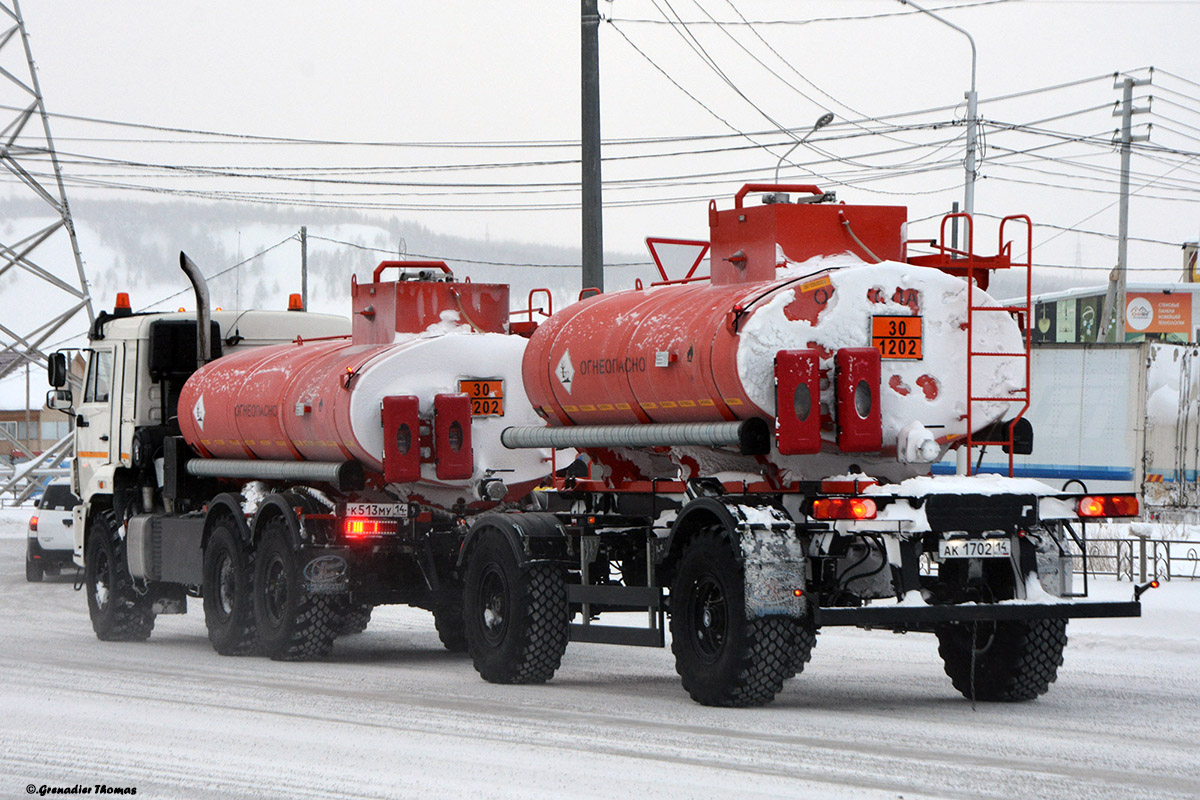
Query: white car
51	541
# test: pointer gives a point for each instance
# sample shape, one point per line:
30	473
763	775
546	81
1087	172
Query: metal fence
1139	558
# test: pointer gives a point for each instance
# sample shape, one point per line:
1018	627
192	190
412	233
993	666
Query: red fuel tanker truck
742	458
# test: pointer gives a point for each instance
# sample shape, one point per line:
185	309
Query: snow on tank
833	308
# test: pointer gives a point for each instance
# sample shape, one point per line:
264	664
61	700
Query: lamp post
821	122
972	115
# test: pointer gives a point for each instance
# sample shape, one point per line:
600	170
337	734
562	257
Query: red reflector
844	508
363	528
33	523
1121	505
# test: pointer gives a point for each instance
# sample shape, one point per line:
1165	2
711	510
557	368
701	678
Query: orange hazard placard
897	337
487	396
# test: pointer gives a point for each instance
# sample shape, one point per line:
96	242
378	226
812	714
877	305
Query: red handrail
773	187
410	264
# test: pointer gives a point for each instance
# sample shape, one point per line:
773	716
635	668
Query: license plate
975	548
897	337
397	510
487	396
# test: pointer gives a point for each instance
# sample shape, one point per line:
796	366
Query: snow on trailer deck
392	714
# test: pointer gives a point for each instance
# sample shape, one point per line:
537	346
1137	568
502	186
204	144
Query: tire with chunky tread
1014	661
805	641
228	592
723	657
355	618
517	619
292	624
33	570
451	628
118	612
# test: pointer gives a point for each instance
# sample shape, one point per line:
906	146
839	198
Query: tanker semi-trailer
753	462
755	451
292	469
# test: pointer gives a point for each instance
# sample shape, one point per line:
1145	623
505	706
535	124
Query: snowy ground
391	714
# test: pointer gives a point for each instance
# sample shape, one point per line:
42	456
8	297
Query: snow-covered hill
134	247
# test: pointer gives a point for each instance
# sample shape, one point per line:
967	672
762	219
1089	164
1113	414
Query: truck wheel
517	618
724	658
292	625
1013	660
33	569
118	612
228	600
355	618
451	627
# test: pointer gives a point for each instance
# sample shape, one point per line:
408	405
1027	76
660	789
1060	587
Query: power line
523	265
225	271
814	20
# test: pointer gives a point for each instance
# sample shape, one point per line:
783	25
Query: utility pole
1112	323
304	266
592	211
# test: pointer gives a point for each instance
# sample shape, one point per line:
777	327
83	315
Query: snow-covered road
392	714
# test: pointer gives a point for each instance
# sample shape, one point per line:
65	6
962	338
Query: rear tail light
33	523
367	528
1118	505
844	508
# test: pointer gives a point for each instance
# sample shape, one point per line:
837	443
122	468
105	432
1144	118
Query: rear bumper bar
924	617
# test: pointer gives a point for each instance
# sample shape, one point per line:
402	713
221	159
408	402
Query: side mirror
57	370
60	400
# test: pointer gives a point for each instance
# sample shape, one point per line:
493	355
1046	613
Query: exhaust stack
203	315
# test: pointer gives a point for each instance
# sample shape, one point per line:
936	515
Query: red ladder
975	270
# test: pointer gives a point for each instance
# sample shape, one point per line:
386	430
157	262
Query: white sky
467	71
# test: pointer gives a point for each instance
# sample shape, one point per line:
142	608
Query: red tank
883	343
423	337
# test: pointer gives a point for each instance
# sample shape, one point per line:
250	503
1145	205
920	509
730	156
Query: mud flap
326	573
774	566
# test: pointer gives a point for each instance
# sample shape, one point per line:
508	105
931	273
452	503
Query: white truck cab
132	360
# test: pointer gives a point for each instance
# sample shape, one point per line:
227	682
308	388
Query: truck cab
136	366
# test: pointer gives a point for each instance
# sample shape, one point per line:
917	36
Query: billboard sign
1158	312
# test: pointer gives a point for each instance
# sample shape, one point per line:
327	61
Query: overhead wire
479	262
846	18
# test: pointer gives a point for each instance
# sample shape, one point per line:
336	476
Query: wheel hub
276	591
225	586
102	581
710	613
493	595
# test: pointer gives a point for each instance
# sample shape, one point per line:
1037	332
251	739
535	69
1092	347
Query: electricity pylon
41	272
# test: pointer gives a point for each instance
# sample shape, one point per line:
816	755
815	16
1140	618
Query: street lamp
972	116
821	122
